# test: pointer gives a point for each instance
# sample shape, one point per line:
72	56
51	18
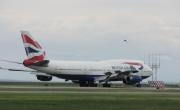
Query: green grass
63	101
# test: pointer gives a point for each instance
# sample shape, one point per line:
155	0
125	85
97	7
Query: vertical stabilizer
34	51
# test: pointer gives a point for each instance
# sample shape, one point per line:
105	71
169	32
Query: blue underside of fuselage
78	77
145	77
83	77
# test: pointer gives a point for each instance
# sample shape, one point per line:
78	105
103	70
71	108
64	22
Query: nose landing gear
138	85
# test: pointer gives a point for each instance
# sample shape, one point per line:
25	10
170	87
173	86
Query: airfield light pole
154	63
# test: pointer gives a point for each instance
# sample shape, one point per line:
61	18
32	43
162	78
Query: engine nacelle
132	80
44	78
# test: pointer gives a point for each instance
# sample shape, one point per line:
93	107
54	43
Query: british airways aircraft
85	73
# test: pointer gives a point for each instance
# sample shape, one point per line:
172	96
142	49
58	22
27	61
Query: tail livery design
34	51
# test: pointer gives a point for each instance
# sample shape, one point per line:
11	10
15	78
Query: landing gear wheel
138	85
106	85
93	85
87	84
83	85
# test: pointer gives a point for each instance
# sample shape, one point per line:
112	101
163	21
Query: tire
83	85
138	85
106	85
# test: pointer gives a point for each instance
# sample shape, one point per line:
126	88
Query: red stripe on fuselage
133	63
27	39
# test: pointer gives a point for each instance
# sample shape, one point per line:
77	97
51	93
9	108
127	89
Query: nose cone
148	70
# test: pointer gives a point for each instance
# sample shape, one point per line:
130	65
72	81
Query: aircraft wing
127	72
116	73
105	78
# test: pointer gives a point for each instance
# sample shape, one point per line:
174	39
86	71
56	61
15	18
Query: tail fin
34	51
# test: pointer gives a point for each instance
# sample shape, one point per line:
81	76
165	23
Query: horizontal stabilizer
9	61
20	70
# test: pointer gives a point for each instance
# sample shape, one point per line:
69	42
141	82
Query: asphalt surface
85	90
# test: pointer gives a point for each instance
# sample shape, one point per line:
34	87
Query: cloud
93	29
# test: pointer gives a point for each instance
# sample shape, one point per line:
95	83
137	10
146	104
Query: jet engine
44	78
132	79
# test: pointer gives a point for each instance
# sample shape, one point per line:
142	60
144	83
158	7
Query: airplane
85	73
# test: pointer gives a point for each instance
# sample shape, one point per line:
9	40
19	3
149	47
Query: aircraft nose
149	70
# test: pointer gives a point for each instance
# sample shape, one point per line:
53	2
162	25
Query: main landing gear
138	85
87	84
106	85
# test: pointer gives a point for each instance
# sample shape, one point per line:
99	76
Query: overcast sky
93	30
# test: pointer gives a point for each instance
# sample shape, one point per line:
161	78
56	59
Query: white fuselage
89	70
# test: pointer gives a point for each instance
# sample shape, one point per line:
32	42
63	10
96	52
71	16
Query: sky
92	30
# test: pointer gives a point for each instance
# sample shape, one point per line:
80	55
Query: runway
85	90
85	98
